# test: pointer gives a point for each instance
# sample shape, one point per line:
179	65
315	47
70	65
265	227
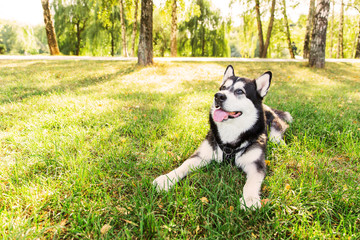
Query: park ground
81	141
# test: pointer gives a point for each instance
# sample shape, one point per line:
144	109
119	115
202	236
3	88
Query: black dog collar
229	152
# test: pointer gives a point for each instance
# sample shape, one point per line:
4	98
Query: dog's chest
229	132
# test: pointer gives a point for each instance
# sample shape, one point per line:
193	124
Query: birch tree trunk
133	36
145	52
332	29
123	29
173	44
340	52
292	55
309	26
50	30
318	38
259	26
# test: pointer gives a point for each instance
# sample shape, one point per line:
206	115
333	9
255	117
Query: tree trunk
173	45
78	37
318	38
340	52
123	28
203	41
50	30
270	26
357	53
259	26
290	47
134	28
112	43
332	29
309	26
145	52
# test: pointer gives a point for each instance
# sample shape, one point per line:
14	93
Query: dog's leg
253	164
203	156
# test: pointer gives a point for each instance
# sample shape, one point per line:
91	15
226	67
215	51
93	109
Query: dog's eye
222	88
238	91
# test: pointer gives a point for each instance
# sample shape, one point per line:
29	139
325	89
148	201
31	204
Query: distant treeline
95	27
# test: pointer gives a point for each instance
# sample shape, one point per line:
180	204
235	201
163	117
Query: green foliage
161	30
93	28
71	20
22	39
351	29
83	140
244	38
108	16
8	36
203	33
2	48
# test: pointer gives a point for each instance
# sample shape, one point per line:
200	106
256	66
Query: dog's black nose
220	97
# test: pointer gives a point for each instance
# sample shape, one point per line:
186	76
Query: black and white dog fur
238	133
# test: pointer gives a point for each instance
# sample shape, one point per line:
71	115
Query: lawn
82	141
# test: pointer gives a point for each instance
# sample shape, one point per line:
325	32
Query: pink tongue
219	115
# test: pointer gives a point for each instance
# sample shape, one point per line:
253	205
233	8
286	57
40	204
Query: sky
23	11
30	11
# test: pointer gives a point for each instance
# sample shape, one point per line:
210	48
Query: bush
2	48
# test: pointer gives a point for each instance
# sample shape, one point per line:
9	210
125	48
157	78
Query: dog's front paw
251	203
163	183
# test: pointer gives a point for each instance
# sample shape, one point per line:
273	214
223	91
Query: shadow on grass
20	92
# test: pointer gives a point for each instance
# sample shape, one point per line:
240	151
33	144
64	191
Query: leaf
105	228
122	210
204	200
166	227
130	222
265	201
63	222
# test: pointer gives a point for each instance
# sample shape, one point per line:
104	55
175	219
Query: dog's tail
285	116
276	122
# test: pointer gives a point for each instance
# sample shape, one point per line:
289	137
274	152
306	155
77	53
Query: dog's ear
229	72
263	83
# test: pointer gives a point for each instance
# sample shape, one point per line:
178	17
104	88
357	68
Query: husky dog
238	133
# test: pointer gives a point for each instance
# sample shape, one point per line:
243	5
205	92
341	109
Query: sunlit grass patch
81	142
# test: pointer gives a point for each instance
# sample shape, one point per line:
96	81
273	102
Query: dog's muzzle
220	98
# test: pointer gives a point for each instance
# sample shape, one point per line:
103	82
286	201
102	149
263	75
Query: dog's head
239	97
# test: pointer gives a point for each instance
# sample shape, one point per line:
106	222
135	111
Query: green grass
81	142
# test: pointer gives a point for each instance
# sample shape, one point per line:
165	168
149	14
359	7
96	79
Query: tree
173	44
288	38
332	27
263	47
71	22
340	51
357	52
105	27
50	30
203	32
356	4
145	52
309	26
133	35
8	37
318	38
123	28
